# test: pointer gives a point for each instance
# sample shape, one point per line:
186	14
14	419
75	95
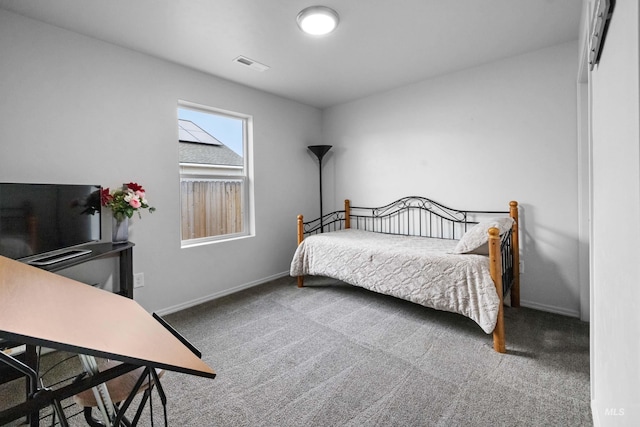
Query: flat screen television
43	223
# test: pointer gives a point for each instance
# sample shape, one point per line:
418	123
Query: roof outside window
198	146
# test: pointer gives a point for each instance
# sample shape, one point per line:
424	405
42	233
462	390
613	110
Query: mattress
417	269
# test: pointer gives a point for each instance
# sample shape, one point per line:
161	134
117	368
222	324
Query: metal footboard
506	249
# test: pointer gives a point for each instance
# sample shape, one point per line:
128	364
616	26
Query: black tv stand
102	250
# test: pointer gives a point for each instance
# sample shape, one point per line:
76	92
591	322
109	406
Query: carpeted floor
334	355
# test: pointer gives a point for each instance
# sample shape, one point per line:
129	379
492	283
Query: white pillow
476	239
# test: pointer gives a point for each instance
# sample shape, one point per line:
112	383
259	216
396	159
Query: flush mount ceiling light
318	20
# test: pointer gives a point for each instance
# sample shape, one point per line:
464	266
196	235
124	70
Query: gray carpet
334	355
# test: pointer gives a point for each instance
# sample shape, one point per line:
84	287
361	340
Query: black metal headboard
411	216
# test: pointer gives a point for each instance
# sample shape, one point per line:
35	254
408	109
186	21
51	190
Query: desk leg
126	273
31	360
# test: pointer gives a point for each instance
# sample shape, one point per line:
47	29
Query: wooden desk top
42	308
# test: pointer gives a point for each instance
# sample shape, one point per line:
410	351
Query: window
214	183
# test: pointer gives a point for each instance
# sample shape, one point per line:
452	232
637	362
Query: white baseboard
550	308
219	294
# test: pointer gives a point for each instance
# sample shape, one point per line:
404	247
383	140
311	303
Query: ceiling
378	45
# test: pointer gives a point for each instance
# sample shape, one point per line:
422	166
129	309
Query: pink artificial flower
135	203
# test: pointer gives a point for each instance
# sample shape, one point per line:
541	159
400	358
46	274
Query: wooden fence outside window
211	207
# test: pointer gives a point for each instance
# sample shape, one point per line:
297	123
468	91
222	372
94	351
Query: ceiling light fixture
318	20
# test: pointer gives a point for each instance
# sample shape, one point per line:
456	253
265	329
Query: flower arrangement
125	201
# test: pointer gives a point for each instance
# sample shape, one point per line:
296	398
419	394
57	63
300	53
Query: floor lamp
320	151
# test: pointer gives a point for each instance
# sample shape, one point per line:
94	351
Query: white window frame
195	171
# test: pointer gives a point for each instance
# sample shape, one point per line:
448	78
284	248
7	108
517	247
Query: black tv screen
41	218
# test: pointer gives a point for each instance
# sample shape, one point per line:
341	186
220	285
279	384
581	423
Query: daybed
421	251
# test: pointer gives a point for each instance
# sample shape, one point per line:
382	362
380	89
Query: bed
419	250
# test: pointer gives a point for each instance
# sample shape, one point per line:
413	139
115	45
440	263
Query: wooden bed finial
300	228
347	213
495	267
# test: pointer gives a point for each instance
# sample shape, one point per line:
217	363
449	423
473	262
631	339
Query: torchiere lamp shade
320	150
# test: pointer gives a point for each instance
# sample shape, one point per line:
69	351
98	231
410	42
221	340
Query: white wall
77	110
615	126
476	139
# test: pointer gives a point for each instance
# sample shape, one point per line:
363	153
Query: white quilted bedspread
416	269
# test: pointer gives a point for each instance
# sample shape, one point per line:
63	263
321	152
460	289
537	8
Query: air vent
255	65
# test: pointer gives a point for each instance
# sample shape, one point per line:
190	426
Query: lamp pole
320	151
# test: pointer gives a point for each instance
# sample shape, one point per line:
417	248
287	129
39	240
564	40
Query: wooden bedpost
515	247
495	267
300	239
347	213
